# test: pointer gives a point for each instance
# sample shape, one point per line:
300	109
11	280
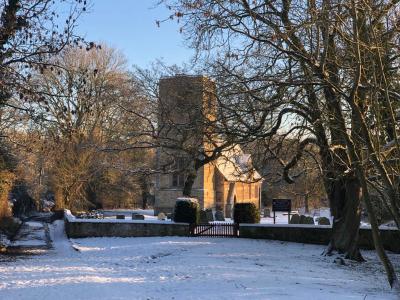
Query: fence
215	230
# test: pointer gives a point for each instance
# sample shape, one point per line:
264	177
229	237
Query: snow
286	225
68	215
188	268
113	212
152	221
31	234
187	199
110	216
34	225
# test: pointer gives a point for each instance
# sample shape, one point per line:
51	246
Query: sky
130	26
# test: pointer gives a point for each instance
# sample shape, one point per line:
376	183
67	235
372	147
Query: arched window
178	176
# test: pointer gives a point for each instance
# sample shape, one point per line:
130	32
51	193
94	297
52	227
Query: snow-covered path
188	268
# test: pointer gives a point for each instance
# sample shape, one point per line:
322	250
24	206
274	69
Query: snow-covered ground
31	234
187	268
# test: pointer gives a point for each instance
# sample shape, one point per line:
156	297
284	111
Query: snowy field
187	268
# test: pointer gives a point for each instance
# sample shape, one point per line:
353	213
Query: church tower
186	112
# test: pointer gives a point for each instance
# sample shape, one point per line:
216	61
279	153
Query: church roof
235	165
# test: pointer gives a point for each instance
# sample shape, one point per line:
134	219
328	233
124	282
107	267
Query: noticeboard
282	205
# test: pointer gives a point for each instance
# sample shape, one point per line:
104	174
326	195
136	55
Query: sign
282	205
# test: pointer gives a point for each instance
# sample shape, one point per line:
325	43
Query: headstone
219	215
203	216
324	221
302	219
137	217
306	220
120	217
309	220
295	219
267	212
210	215
161	216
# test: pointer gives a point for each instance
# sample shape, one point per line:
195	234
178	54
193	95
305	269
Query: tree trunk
187	188
306	208
345	199
343	191
390	272
145	191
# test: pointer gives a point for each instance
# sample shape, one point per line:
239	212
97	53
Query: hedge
187	210
246	213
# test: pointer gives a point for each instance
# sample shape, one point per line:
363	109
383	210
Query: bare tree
79	112
309	63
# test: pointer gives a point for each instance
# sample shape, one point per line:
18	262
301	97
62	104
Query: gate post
192	226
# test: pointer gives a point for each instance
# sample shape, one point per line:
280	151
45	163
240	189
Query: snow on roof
235	165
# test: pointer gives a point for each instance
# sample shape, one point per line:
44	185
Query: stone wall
82	228
315	234
308	234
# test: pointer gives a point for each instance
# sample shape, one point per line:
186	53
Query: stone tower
186	110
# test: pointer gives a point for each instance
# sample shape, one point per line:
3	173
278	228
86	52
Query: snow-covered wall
81	228
315	234
299	233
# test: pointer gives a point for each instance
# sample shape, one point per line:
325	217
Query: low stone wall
82	228
390	238
298	233
315	234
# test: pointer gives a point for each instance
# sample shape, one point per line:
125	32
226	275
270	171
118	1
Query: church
184	101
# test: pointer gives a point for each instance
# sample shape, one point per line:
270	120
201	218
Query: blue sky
129	25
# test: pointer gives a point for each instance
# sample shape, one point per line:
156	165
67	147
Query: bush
246	213
9	226
187	210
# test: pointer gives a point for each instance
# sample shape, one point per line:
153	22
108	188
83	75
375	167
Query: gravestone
161	216
302	219
295	219
324	221
306	220
120	217
137	217
219	215
210	215
203	216
310	220
267	212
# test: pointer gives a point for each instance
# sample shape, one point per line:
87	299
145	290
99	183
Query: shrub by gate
215	229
